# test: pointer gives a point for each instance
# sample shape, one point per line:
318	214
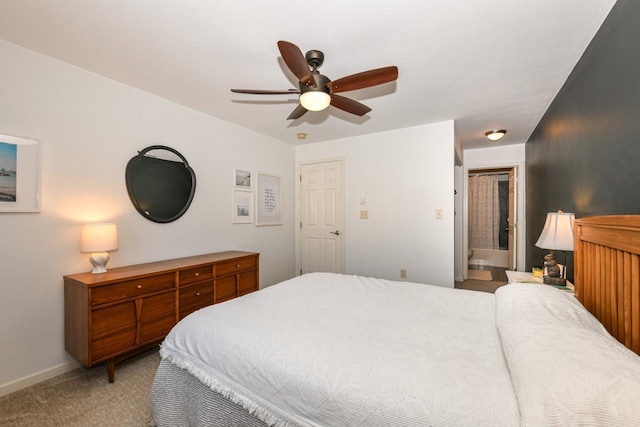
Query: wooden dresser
114	315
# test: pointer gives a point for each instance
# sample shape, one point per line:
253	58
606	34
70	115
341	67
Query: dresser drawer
113	330
225	289
113	343
195	275
157	316
131	288
104	321
247	282
195	297
228	267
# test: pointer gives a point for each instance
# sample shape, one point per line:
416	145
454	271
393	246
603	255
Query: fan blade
295	60
349	105
266	92
297	113
364	79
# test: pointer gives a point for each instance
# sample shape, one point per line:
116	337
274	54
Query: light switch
438	213
363	200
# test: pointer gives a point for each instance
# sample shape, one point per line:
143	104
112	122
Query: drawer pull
238	265
197	274
139	286
198	294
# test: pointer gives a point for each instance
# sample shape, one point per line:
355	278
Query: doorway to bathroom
491	207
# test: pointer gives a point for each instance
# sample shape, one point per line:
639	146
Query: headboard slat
635	303
608	290
626	309
613	302
618	283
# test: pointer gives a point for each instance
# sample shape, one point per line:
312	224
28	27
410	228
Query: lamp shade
100	237
557	233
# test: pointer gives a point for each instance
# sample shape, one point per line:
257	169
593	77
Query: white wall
405	175
491	157
89	127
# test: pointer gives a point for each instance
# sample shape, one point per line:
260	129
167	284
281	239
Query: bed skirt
179	399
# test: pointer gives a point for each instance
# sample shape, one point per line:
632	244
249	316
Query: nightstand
525	277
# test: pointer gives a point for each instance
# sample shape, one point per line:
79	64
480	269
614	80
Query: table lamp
557	235
98	239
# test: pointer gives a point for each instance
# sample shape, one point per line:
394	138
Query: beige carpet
479	275
84	397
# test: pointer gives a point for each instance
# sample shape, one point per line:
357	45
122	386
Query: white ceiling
485	64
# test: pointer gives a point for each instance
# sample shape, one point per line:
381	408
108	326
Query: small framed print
19	174
242	207
269	199
242	178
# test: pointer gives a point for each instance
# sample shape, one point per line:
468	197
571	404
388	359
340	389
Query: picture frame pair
268	200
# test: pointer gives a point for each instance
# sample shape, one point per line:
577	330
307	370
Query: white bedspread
332	350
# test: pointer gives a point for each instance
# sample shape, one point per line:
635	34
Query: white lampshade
98	239
315	100
557	233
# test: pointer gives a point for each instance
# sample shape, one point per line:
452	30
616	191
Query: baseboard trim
36	378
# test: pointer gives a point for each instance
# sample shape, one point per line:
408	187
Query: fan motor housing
315	58
321	84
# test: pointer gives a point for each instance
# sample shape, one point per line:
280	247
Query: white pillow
565	367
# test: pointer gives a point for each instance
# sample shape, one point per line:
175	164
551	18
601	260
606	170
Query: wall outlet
364	214
403	273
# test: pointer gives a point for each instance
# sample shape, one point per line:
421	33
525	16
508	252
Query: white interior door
322	217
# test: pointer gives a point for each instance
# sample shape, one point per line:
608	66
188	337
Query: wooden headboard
607	273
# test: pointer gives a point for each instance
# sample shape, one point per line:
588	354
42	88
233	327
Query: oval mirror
161	185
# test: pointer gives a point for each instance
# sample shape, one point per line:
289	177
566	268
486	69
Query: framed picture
19	174
269	199
242	207
242	178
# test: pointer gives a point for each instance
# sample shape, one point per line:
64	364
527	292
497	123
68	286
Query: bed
339	350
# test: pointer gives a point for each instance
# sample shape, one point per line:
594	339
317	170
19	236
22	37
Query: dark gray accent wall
584	155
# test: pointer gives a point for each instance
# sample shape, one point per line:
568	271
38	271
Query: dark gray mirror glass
160	183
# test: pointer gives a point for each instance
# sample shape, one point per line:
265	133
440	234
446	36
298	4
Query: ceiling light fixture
315	100
302	135
495	135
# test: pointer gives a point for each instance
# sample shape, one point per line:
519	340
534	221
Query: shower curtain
484	212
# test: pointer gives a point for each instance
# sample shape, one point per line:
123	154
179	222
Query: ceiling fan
316	90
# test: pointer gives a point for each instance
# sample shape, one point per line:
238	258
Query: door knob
337	232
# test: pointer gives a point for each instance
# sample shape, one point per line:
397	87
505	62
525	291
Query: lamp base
557	281
99	260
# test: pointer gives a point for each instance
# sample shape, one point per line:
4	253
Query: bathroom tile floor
499	279
498	273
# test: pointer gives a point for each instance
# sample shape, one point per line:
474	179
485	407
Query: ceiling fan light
315	100
495	135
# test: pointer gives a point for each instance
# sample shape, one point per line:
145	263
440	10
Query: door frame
520	212
298	210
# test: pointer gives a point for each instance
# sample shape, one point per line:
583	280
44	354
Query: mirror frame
129	183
